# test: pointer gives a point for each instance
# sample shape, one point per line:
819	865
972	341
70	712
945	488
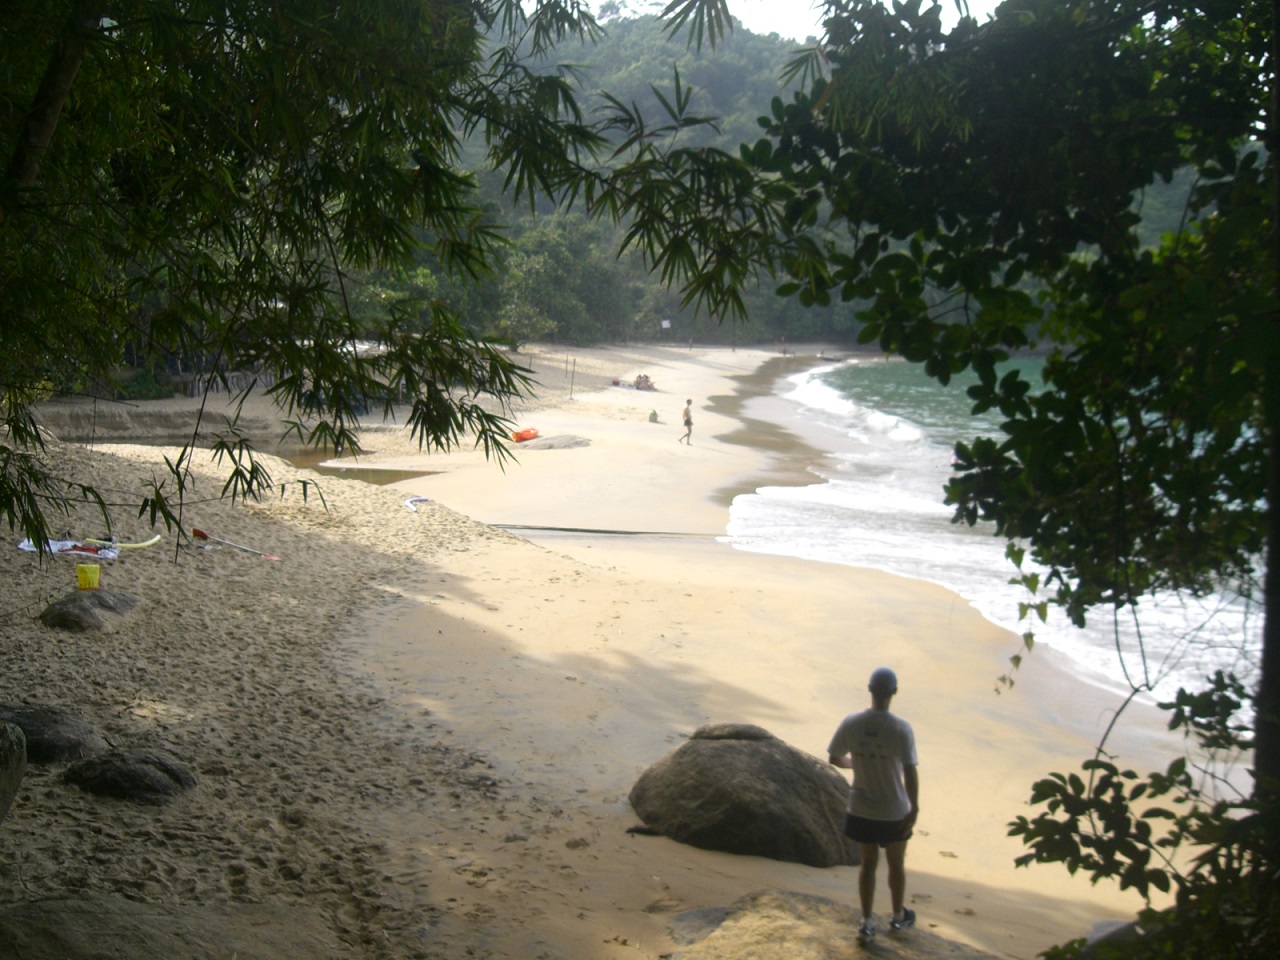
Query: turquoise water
888	433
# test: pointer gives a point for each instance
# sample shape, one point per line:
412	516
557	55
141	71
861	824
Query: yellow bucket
87	575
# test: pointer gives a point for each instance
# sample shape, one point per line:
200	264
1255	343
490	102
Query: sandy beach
423	723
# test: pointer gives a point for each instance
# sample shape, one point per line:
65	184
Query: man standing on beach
880	749
688	423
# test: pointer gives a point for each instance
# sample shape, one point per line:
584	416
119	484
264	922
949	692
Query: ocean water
888	432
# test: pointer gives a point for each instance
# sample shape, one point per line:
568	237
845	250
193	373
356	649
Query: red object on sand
520	436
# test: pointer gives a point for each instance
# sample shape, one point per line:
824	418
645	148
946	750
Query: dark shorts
879	832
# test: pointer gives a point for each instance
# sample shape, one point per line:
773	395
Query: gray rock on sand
53	735
563	442
86	610
13	764
140	775
739	789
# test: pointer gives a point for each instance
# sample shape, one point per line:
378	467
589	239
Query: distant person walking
688	423
880	749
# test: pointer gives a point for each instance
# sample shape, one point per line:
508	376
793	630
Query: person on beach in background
688	423
880	749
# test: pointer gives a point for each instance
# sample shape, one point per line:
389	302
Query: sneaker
866	930
908	919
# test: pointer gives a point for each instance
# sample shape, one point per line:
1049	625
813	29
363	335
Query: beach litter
201	535
115	544
73	548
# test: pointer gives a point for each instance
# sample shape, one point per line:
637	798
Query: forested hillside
561	278
734	83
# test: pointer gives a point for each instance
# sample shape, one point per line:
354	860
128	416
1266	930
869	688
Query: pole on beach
201	535
573	376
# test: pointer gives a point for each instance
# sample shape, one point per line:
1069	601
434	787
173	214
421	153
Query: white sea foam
882	506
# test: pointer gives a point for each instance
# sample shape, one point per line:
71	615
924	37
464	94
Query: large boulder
739	789
143	776
53	735
13	764
86	610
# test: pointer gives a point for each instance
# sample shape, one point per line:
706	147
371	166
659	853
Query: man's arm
911	780
845	761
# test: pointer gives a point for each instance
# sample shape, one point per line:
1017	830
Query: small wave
809	390
882	507
894	428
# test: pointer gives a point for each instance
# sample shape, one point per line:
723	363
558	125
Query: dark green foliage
293	191
195	183
633	68
264	186
279	189
1170	832
146	383
973	192
733	81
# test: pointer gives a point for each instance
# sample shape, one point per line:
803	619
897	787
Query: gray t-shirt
880	745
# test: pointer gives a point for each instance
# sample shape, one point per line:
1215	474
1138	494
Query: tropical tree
975	190
203	179
207	181
562	281
533	302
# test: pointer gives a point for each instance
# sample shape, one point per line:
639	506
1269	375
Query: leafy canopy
972	193
194	181
197	184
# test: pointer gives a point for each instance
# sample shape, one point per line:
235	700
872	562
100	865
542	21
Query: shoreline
435	723
714	571
787	459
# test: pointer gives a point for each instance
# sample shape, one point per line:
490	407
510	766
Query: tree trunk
1267	704
41	119
1267	725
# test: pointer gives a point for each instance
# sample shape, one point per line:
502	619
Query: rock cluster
54	735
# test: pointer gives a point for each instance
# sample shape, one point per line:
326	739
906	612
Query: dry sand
426	727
